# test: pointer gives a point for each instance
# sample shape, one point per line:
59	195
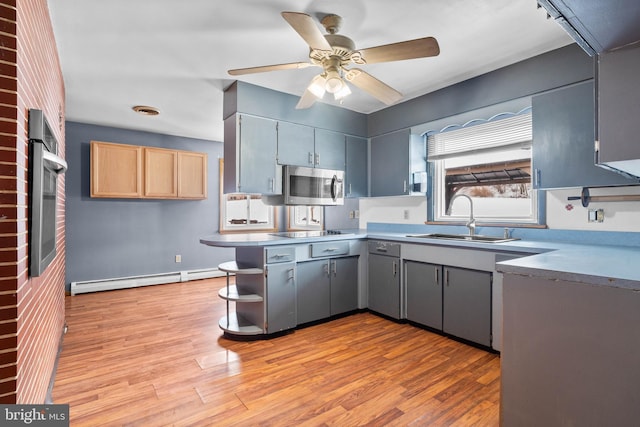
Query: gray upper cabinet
250	148
356	167
302	145
390	160
564	138
330	151
295	144
619	110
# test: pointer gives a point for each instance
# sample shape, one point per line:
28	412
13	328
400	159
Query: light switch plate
596	215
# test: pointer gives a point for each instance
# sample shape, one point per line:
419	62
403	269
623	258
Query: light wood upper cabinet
131	171
116	170
192	175
160	173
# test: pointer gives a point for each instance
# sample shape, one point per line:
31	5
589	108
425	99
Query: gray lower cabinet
281	296
280	285
344	285
313	296
424	293
384	278
326	287
454	300
466	311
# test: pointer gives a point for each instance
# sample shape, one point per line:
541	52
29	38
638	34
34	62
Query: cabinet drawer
329	249
384	248
273	255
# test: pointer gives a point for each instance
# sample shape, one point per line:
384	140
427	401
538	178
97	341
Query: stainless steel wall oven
44	167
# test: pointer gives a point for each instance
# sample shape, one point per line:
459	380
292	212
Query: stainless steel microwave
312	186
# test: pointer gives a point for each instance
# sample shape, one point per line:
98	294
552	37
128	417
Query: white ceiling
174	55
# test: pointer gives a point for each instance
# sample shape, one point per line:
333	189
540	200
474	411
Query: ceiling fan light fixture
342	93
317	86
334	83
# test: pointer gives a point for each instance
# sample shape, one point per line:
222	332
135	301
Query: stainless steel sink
464	237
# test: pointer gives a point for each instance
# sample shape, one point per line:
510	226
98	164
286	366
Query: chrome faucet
471	224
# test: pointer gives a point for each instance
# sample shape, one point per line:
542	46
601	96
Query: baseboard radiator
147	280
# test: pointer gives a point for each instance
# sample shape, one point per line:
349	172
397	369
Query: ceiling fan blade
308	30
275	67
373	86
306	100
410	49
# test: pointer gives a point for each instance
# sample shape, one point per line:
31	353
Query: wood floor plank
155	356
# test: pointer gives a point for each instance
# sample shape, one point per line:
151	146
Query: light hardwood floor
155	356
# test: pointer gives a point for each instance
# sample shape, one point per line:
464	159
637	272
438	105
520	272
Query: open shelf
238	326
233	267
232	294
246	295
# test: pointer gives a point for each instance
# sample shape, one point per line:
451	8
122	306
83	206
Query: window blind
509	131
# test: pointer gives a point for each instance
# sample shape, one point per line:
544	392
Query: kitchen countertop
600	265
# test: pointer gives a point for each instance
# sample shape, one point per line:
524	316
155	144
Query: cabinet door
424	293
384	285
390	164
344	285
116	170
192	175
160	173
330	151
281	296
563	140
467	304
619	105
312	291
295	144
356	167
258	170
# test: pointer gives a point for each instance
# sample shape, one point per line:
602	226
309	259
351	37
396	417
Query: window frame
437	178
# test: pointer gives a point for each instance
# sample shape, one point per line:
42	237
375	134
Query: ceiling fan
334	52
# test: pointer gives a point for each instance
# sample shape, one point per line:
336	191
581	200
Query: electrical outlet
596	215
178	258
352	214
356	214
406	214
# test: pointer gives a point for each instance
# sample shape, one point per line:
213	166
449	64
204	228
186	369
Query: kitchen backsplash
562	214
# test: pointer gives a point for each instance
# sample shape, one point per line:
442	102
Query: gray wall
108	238
250	99
551	70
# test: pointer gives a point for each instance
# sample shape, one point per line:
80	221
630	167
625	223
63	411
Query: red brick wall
31	309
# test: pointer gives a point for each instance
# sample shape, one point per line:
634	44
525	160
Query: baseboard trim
146	280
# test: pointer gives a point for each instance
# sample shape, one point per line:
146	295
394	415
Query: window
243	212
246	212
489	161
305	218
